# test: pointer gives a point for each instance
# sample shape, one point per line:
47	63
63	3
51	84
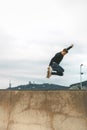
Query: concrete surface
43	110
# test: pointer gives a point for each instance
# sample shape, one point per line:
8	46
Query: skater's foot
57	73
49	70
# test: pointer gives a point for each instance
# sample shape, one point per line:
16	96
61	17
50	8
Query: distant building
30	82
9	84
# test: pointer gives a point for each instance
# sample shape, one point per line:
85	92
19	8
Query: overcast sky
32	31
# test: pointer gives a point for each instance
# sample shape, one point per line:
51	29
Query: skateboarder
54	68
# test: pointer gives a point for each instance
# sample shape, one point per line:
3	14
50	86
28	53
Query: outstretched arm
70	47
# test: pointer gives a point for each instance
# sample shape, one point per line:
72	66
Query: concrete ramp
43	110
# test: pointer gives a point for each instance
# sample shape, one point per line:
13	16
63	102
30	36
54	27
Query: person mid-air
54	68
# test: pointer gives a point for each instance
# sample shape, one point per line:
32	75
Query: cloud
32	32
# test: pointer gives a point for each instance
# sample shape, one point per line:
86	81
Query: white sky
32	31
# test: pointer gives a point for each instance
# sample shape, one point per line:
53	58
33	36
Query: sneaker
49	70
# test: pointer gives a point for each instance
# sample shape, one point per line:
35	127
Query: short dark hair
65	50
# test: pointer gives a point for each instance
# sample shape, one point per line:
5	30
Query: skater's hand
72	45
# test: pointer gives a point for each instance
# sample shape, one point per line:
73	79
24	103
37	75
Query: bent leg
60	69
57	67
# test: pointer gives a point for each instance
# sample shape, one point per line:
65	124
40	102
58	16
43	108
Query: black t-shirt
57	58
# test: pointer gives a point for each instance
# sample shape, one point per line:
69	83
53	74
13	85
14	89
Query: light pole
81	73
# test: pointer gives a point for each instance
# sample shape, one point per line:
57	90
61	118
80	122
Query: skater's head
64	51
